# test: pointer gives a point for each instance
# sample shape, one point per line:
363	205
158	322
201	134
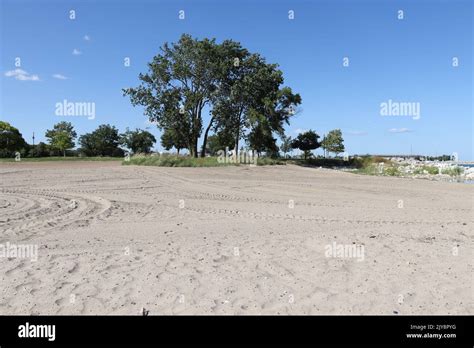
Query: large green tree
104	141
251	98
11	140
180	83
192	75
138	141
231	66
62	136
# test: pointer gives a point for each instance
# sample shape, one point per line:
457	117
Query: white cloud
76	52
21	75
87	37
15	72
60	77
299	131
399	130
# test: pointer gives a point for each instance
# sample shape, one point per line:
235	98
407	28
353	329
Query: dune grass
168	160
452	171
173	161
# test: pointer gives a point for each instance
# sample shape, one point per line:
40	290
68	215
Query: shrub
427	169
453	171
167	160
391	171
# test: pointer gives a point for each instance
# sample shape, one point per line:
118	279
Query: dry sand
115	239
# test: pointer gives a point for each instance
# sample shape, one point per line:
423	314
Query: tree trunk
204	143
195	148
64	153
237	135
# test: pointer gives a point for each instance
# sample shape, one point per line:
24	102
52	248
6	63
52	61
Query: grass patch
426	170
266	161
167	160
174	161
376	166
452	171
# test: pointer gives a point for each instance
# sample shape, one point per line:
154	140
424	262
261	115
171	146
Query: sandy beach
114	239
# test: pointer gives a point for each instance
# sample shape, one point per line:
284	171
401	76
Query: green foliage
306	142
439	158
268	161
104	141
453	171
62	136
333	142
11	140
426	170
260	138
285	146
191	74
173	138
138	141
218	142
391	171
167	160
40	150
180	82
250	98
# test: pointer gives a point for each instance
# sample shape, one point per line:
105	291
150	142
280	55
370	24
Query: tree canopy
286	144
104	141
306	142
219	141
333	142
11	140
62	136
138	141
243	94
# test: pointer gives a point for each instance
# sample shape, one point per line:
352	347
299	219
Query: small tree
306	142
62	136
333	142
173	138
104	141
261	139
138	141
285	146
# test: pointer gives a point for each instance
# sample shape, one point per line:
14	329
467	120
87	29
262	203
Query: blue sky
408	60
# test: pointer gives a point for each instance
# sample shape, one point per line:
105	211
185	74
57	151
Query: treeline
61	140
243	94
107	141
